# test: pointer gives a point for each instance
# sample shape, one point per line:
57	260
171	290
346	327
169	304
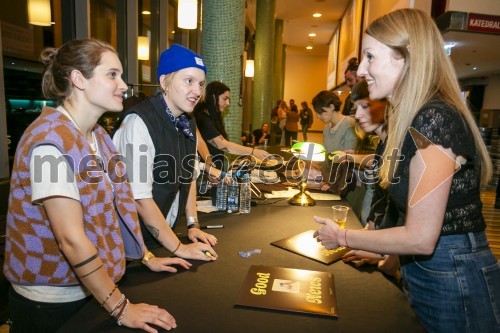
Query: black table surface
202	298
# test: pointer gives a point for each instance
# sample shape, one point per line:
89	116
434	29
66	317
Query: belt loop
472	240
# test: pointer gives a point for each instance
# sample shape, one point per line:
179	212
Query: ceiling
472	49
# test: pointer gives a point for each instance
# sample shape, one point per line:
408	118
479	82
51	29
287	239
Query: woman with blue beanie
158	139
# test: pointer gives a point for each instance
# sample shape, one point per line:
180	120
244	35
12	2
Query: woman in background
306	119
451	277
208	114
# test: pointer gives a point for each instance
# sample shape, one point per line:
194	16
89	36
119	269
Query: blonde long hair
427	73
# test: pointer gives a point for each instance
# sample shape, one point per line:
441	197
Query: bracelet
345	238
109	295
120	308
194	225
178	245
192	219
148	256
192	222
112	313
122	314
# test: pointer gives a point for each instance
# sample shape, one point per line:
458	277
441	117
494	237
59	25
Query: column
263	80
278	60
222	45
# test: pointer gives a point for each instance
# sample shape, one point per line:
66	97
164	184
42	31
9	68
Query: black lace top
444	126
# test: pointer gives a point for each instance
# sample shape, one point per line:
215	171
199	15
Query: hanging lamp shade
249	68
187	14
143	48
39	12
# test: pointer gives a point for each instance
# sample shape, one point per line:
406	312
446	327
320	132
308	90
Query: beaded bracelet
109	295
117	306
122	314
178	245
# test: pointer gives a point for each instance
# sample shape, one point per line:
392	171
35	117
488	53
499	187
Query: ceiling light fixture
317	15
312	34
146	12
309	47
474	68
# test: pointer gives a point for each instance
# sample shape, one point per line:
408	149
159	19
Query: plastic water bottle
233	196
245	195
221	195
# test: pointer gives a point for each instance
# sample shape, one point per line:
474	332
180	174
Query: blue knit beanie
178	57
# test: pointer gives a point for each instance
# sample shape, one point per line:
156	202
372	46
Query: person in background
262	134
274	111
276	131
306	119
282	112
293	106
351	78
291	126
246	139
433	166
208	114
57	256
158	139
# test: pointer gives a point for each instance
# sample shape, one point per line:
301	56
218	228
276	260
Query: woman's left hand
157	264
328	233
196	235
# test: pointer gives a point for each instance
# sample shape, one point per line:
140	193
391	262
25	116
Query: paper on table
205	206
264	177
292	191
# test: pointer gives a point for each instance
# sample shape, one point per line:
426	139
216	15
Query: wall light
142	48
187	14
39	12
249	68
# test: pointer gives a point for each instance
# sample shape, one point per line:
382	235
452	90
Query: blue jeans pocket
492	278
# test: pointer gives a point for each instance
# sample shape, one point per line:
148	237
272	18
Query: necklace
91	142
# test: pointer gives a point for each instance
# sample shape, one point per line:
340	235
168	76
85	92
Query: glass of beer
340	215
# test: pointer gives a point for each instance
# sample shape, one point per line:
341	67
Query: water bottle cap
245	176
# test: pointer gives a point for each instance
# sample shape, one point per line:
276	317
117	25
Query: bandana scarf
182	123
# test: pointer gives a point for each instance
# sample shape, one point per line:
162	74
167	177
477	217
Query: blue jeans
457	289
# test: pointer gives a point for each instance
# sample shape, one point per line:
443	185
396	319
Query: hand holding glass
340	215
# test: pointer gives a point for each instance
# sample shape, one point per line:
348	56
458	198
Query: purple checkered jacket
32	255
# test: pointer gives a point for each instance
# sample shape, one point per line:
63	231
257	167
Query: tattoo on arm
81	277
85	262
154	231
213	142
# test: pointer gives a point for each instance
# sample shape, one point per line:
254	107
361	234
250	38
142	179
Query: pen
217	226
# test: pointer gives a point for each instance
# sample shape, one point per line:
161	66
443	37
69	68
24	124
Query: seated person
261	134
208	114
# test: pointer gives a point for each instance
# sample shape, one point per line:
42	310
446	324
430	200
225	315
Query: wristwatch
147	257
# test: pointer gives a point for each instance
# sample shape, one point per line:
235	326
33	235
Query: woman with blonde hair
433	165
